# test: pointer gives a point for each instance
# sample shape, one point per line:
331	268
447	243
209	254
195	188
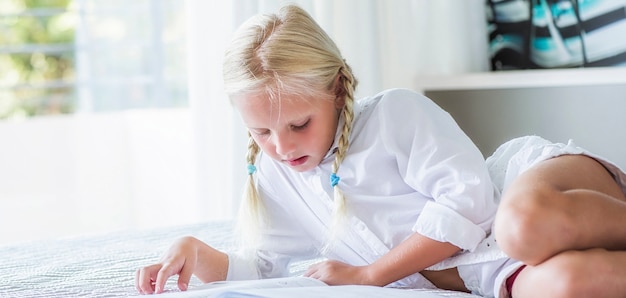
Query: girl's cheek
266	145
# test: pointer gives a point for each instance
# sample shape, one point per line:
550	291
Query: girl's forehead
257	109
264	102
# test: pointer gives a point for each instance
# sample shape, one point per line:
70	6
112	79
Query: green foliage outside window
36	58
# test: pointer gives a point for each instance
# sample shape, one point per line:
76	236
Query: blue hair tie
251	169
334	179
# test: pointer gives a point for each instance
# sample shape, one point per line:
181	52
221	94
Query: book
297	286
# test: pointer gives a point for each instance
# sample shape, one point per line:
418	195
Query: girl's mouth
297	161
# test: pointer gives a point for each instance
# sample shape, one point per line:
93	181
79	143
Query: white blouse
409	168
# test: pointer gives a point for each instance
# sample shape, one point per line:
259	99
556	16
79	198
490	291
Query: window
130	54
68	56
36	58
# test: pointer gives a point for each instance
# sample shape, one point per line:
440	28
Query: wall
591	115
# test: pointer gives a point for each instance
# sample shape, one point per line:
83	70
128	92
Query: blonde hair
287	53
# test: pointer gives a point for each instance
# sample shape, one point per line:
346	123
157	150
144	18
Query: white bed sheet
102	265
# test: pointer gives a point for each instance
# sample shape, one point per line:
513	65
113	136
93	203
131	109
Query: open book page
302	287
284	282
349	291
215	289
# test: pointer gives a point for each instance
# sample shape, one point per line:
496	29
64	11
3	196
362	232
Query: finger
162	276
309	271
144	279
312	269
184	277
312	273
137	281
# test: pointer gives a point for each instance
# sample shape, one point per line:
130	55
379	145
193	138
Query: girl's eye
301	127
260	132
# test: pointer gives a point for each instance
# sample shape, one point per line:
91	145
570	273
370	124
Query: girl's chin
301	169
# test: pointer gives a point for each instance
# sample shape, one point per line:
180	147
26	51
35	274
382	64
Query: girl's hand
338	273
181	258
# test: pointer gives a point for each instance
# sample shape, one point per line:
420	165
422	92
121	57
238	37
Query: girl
388	188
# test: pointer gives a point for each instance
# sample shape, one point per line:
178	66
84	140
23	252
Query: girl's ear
340	91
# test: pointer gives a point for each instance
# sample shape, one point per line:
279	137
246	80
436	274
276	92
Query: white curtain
143	168
388	44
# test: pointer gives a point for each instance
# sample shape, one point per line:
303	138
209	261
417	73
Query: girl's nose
285	145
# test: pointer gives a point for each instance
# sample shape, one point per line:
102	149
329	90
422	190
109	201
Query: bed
103	265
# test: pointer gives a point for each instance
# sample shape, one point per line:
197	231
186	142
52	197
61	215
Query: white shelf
524	79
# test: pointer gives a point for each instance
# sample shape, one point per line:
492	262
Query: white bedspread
99	265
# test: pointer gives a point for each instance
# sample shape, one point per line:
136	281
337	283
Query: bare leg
566	203
589	273
447	279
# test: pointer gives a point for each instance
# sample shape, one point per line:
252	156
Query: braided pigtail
347	84
347	114
251	212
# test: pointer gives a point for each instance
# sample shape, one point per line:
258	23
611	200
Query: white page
301	287
348	291
214	289
284	282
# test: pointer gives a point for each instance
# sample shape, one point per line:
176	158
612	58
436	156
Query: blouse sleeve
438	160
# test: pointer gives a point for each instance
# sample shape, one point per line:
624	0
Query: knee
518	221
529	222
565	275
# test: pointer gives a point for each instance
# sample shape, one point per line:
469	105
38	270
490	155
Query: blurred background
112	115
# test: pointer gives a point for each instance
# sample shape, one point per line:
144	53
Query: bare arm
212	264
413	255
